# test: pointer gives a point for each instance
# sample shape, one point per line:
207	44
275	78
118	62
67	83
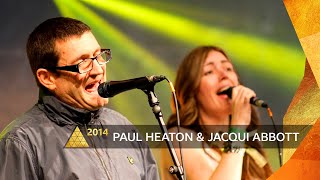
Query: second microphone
254	100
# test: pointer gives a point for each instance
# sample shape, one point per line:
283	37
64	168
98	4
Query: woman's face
218	75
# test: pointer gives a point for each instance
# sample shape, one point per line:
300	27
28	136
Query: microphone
112	88
254	100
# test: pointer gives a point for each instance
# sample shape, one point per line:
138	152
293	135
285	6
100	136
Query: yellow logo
76	140
130	159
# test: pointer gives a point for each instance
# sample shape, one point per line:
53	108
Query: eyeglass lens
87	64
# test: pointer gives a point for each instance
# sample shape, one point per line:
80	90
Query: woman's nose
221	72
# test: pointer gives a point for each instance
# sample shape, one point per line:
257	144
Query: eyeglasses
87	64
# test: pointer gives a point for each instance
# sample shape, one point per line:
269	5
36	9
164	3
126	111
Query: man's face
79	90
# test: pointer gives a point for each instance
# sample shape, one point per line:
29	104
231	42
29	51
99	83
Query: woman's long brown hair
187	84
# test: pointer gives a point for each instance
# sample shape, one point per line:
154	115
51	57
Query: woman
205	72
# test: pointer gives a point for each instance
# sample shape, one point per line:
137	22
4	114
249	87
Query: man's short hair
41	42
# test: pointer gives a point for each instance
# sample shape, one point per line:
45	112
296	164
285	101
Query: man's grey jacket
34	147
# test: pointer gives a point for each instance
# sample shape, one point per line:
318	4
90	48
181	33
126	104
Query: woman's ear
46	78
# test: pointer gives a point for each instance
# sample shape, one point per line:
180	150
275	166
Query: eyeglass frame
75	68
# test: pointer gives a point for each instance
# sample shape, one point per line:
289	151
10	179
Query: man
68	65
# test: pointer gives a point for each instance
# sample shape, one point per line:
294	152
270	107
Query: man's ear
46	78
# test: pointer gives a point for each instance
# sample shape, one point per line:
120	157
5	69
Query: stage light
258	54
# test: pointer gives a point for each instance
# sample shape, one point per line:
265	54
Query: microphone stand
154	104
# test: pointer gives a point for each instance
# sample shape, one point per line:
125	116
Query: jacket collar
64	114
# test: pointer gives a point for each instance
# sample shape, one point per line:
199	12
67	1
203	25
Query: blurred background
151	37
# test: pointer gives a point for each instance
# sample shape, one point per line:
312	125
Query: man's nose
96	68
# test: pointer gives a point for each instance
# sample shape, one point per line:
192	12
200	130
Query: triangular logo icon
77	140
